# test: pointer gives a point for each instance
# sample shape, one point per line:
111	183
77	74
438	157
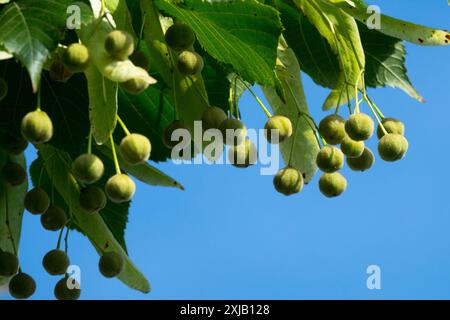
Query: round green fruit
392	126
281	125
76	57
332	129
168	131
37	127
111	264
37	201
140	59
190	63
212	117
63	292
135	85
120	188
88	168
332	184
179	36
14	174
13	144
352	148
56	262
288	181
92	199
119	44
392	147
135	148
22	286
362	163
3	89
9	264
243	155
54	219
233	131
330	159
359	126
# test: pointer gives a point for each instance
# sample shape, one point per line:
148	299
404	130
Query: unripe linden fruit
119	44
12	144
167	133
63	292
352	148
281	124
88	168
14	173
120	188
363	162
92	199
234	131
392	126
56	262
54	219
22	286
76	57
288	181
179	36
359	126
9	264
135	85
212	117
243	155
135	148
59	71
190	63
37	201
37	127
332	129
392	147
330	159
3	89
332	184
111	264
140	59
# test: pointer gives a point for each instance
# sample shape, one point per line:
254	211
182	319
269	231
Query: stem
194	83
58	244
230	100
261	104
38	106
113	149
376	117
376	108
66	241
122	124
90	141
13	243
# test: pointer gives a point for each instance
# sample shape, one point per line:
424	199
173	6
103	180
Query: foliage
241	44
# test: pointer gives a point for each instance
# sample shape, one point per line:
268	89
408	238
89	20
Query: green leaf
342	34
57	165
31	30
122	17
11	208
243	34
303	143
400	29
102	104
385	62
313	51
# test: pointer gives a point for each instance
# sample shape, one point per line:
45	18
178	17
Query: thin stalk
122	124
113	150
261	104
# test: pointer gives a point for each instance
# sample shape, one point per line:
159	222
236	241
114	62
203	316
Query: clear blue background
231	236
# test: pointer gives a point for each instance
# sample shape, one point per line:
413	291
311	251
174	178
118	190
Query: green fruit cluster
92	199
37	127
14	174
233	131
135	148
88	168
120	188
212	117
119	44
179	36
54	218
167	136
67	288
56	262
243	155
351	134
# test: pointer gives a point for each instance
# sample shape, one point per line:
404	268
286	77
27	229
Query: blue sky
231	236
